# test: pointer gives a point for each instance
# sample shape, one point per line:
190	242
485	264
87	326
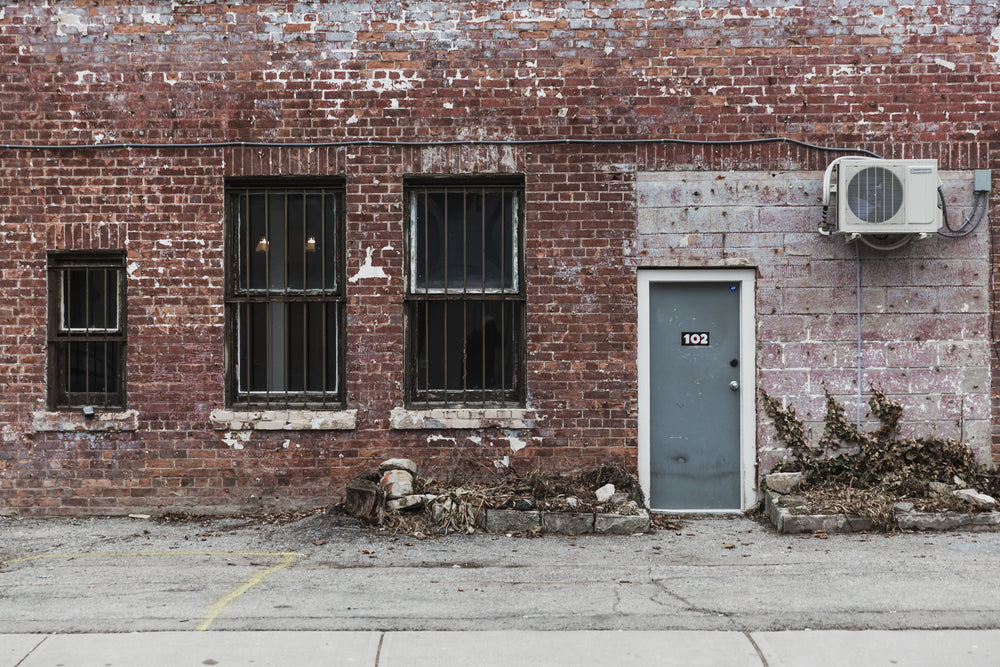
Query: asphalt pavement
324	590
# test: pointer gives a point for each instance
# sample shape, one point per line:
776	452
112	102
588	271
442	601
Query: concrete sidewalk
829	648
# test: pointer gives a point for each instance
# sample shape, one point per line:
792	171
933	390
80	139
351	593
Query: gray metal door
694	396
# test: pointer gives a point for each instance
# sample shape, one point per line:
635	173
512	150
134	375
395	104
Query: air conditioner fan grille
875	194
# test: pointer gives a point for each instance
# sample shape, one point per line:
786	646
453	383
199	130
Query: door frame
748	372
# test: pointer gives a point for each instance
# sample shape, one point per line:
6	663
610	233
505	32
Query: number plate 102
694	338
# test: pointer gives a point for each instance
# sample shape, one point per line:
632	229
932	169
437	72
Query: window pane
257	242
315	243
296	256
74	305
465	345
331	340
276	233
253	366
464	240
92	367
489	345
288	347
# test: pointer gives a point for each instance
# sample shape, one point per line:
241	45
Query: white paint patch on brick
236	440
368	270
516	444
441	438
995	43
65	19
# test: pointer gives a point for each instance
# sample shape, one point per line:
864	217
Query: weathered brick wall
924	309
913	81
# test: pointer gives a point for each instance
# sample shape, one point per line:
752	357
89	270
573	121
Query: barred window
465	298
285	295
86	329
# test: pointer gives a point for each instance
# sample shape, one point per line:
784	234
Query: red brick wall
907	82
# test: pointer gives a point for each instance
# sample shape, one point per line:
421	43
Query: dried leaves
881	470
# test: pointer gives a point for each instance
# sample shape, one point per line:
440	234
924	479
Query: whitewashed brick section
924	307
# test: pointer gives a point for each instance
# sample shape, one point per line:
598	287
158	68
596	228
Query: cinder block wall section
923	313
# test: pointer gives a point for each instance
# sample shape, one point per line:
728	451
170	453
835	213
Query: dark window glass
86	331
285	296
465	301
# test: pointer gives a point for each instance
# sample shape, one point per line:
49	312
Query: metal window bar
502	385
248	386
86	335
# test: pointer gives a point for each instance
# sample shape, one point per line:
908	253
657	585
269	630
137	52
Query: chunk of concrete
980	501
397	464
784	482
406	502
619	498
605	493
620	524
397	483
365	500
568	523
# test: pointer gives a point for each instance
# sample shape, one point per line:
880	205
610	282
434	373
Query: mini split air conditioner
885	196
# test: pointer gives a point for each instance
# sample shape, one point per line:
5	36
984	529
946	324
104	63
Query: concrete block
567	523
620	524
406	502
512	521
981	521
784	482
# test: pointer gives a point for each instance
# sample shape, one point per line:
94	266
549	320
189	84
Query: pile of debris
607	500
877	476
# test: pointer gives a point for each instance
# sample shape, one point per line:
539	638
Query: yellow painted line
222	602
287	558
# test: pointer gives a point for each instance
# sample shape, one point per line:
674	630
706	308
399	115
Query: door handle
734	385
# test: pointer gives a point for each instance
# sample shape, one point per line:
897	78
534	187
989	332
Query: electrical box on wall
888	196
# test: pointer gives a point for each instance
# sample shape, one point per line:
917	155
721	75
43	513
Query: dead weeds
867	473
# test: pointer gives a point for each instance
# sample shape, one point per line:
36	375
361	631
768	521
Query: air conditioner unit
887	196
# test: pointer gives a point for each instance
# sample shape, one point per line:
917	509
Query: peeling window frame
63	334
511	299
241	295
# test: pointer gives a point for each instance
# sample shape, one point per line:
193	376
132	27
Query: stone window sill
52	422
461	418
284	420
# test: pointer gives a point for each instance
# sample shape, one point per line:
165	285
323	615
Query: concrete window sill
462	418
284	420
53	422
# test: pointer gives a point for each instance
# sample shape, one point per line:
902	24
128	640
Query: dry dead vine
878	468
